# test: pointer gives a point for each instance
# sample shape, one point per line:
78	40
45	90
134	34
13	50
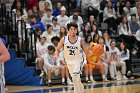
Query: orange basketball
97	49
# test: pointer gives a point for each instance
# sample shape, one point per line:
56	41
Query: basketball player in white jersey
73	46
4	56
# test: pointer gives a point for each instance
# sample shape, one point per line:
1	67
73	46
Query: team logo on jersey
72	47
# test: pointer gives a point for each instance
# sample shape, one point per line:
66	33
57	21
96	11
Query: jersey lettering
71	52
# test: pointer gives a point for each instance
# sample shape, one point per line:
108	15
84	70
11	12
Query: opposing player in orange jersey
94	61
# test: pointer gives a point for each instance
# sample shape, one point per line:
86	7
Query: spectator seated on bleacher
107	39
49	33
51	65
31	4
56	10
46	7
36	24
75	20
134	26
105	57
62	32
19	7
126	34
42	2
62	18
117	63
41	48
76	12
94	61
55	40
119	11
125	57
95	30
110	17
56	26
85	31
47	18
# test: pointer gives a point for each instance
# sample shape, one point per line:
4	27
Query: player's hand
90	53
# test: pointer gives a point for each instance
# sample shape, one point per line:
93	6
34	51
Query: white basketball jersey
72	51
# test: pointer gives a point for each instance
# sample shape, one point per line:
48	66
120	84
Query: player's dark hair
72	24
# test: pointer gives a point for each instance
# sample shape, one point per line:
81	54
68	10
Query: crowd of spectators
49	22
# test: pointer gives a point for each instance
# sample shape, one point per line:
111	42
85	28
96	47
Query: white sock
103	76
63	79
68	79
91	78
86	78
49	81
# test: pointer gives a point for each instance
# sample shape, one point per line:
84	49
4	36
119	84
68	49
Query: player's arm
83	44
59	46
4	54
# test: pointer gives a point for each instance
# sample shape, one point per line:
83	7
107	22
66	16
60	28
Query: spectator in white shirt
125	57
19	7
50	65
49	33
128	10
95	30
86	31
117	64
62	18
85	5
105	58
47	18
41	48
56	26
126	34
96	4
76	12
110	17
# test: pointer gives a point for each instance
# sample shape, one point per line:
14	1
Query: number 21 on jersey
71	52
